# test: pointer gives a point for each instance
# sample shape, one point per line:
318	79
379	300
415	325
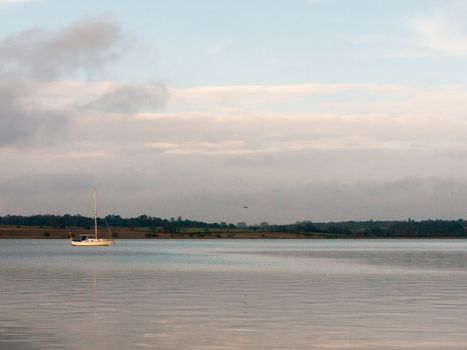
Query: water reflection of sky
155	294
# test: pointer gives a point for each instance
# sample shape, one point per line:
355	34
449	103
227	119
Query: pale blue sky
302	109
220	42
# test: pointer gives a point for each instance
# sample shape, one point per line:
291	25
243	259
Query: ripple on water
234	295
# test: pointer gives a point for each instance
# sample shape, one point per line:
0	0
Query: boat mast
95	211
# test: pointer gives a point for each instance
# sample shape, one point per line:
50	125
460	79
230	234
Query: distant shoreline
146	233
144	226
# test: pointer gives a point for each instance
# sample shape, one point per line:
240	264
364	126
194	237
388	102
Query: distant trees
242	225
371	228
378	229
55	221
67	220
427	228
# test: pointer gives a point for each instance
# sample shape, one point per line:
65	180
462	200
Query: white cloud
190	157
219	47
322	151
290	144
63	94
4	2
440	34
315	2
259	95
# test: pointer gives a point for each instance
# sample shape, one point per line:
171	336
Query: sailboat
85	241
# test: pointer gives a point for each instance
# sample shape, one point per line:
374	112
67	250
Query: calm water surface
254	294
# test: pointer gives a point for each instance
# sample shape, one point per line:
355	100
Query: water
219	294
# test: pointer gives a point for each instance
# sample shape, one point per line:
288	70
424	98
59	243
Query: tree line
378	229
67	220
364	229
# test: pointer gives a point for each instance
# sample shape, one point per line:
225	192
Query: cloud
248	95
336	200
440	34
298	151
10	2
219	47
117	97
188	188
291	151
18	123
43	55
130	98
201	98
199	120
35	55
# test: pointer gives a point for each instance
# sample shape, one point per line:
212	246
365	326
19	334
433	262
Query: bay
234	294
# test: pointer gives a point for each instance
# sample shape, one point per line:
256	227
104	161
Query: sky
322	110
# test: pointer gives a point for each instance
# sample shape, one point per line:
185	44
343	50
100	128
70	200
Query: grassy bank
147	233
8	232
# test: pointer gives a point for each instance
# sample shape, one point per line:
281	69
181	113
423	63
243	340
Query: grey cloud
172	193
24	193
338	181
40	54
18	123
35	55
131	98
418	198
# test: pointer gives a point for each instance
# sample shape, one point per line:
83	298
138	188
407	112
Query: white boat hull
85	240
93	243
